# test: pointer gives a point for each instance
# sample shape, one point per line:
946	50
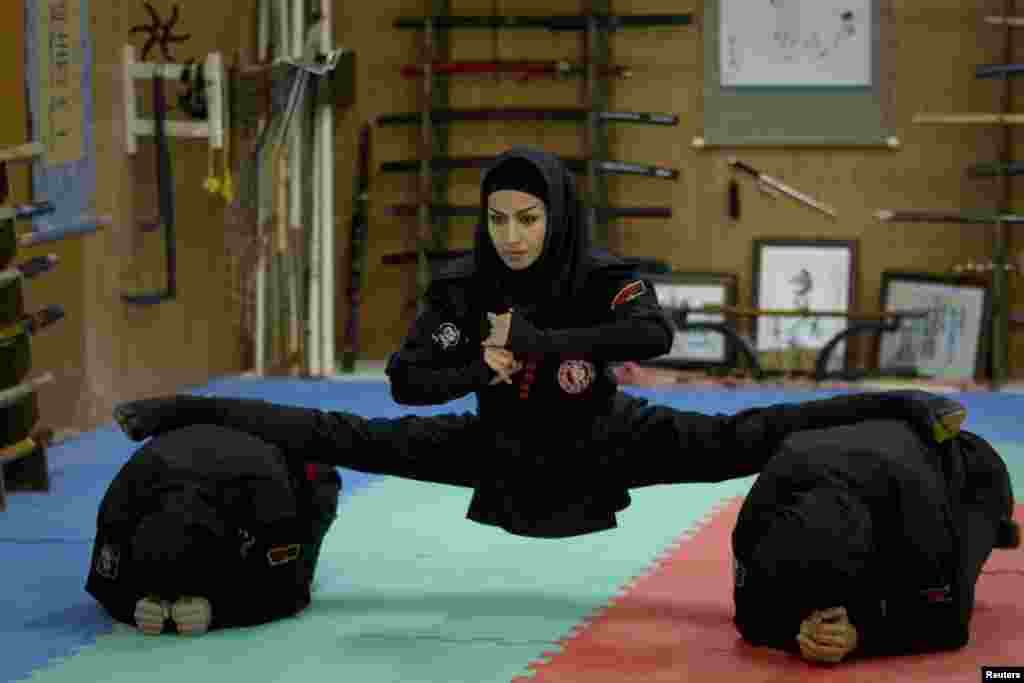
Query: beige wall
106	351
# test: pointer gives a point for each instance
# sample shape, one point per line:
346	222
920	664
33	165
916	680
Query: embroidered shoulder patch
629	292
283	554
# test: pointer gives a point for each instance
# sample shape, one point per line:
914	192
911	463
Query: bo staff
29	269
782	187
563	22
998	70
465	211
524	69
1005	21
31	323
969	119
520	114
937	216
575	164
803	313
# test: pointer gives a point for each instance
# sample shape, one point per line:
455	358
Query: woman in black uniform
865	540
208	528
530	322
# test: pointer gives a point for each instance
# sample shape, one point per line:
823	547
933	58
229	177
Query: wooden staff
1016	22
941	216
970	119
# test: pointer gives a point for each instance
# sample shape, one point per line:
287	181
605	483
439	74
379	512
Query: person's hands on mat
827	636
192	615
150	615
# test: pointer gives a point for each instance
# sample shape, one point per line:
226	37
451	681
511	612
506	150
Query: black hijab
558	274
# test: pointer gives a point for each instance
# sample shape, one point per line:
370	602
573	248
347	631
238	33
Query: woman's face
517	223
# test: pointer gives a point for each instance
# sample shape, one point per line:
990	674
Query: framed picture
697	349
796	43
818	275
947	343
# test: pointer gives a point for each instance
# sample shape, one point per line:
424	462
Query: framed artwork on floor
699	348
794	274
948	342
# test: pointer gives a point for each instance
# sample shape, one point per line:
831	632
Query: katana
407	257
558	22
522	114
575	164
782	187
465	211
524	69
940	216
986	169
999	70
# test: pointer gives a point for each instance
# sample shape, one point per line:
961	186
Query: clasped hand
827	636
498	358
503	363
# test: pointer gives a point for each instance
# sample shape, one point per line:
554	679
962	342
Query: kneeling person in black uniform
206	528
866	540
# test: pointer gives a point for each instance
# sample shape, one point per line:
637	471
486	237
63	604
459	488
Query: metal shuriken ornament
160	33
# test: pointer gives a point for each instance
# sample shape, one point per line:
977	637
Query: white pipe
328	360
313	314
259	325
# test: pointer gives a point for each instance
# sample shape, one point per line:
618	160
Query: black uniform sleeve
732	446
634	326
441	358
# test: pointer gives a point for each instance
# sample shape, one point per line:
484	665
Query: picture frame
696	349
949	344
816	274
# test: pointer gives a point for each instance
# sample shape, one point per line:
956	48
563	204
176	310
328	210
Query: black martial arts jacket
268	514
936	512
558	443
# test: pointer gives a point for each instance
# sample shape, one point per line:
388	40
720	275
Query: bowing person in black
866	540
530	323
209	528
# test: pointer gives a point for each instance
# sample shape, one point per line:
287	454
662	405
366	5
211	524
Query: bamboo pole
970	119
1013	22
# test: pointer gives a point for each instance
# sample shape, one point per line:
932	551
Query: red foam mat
675	624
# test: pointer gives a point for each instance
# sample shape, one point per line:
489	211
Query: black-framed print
691	290
796	274
949	341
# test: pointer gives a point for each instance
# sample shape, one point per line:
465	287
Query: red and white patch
629	292
282	554
575	376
